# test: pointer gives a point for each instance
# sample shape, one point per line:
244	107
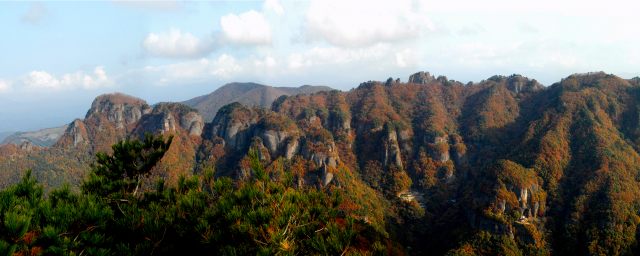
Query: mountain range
505	166
250	94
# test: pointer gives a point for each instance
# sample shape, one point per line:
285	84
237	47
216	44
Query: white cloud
336	55
354	23
275	5
99	79
5	86
267	62
176	45
41	81
407	57
36	14
224	67
249	28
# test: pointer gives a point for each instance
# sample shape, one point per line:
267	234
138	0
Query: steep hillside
503	166
42	138
112	117
250	94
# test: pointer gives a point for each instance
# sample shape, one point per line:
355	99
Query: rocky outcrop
391	153
258	146
193	123
439	148
118	108
527	207
324	155
77	132
404	139
235	134
273	140
459	151
389	82
517	84
326	177
166	123
27	146
321	153
293	148
435	139
421	78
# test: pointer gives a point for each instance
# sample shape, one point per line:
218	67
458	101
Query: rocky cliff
504	156
118	108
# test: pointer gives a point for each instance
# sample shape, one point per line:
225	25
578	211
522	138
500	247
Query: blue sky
56	57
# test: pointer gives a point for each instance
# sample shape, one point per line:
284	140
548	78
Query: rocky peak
389	82
421	78
442	79
77	132
235	124
119	108
391	153
170	115
193	123
27	145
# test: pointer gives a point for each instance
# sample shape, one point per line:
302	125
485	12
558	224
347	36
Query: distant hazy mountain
42	138
250	94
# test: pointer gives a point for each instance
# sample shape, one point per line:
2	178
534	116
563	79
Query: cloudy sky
55	57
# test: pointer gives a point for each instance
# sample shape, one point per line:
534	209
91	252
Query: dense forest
433	166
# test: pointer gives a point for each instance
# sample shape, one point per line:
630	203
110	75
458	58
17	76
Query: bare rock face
193	123
441	156
435	139
391	152
258	146
27	145
236	134
167	123
321	153
77	132
119	108
327	177
517	84
527	207
292	149
404	139
421	78
272	139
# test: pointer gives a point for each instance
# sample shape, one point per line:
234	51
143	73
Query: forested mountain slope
503	166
